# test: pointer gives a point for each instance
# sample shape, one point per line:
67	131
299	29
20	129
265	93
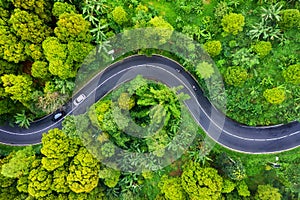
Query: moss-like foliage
72	27
275	95
292	74
290	18
233	23
60	8
172	188
213	48
262	48
204	70
201	183
28	26
236	76
119	15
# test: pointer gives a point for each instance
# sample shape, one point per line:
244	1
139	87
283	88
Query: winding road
223	130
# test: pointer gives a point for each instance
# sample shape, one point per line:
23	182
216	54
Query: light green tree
236	76
28	26
204	70
262	48
292	74
201	183
119	15
266	192
39	69
18	86
60	184
72	27
233	23
110	176
60	8
83	172
171	188
213	48
19	164
40	181
275	95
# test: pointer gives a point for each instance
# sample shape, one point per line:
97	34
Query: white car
79	99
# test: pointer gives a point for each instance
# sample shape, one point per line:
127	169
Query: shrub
233	23
40	70
72	27
236	76
262	48
119	15
290	18
213	48
60	8
204	70
274	95
292	74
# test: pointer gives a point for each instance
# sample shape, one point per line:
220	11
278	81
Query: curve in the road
223	130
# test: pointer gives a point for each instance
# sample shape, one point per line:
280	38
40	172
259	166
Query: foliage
19	87
39	182
19	164
119	15
233	23
83	175
275	95
40	70
171	188
290	18
110	176
57	148
23	120
265	31
271	13
72	27
201	183
213	48
125	101
28	26
161	28
236	76
262	48
60	8
204	70
265	192
292	74
242	189
233	169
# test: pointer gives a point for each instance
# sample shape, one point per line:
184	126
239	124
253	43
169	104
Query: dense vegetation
103	155
255	45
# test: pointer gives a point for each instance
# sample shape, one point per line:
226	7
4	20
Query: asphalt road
238	137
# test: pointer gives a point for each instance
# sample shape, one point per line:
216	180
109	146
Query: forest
255	45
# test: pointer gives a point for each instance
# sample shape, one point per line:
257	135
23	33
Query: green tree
78	51
201	183
162	30
290	18
228	186
266	192
60	184
28	26
126	101
213	48
292	74
72	27
275	95
110	176
57	148
242	189
18	86
233	23
56	53
83	172
236	76
40	181
39	69
262	48
119	15
19	164
34	51
204	70
60	8
171	188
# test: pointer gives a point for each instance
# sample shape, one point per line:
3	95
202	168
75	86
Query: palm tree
23	120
